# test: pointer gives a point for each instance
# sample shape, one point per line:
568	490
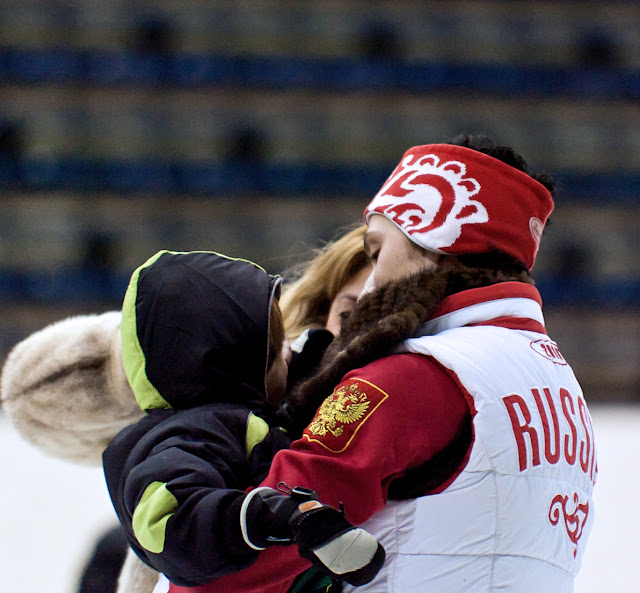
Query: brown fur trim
380	321
385	318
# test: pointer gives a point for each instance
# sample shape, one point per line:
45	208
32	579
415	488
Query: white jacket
518	516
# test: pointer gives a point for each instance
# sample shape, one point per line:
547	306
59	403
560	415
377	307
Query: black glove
329	541
323	534
304	363
295	415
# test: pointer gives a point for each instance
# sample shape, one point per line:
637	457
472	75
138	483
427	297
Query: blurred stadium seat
119	112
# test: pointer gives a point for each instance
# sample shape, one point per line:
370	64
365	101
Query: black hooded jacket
195	330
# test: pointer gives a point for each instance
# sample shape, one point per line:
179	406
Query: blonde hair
306	300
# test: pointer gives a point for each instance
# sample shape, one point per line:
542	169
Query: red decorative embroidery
447	201
573	521
430	199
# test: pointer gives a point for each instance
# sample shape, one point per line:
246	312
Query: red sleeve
390	416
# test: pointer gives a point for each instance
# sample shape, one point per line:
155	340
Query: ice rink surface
51	512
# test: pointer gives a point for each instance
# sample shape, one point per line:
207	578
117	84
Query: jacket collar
514	305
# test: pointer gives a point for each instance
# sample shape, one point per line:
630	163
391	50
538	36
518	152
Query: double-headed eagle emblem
345	406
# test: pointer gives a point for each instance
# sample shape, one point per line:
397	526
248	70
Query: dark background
257	128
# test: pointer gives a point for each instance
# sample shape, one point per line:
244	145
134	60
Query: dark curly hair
506	154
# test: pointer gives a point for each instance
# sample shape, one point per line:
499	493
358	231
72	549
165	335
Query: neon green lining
257	429
133	358
150	518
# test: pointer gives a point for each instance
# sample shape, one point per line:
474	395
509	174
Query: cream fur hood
65	390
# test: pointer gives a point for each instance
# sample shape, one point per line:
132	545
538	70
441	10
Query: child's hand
330	542
323	534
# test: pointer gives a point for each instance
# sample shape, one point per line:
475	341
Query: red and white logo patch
343	413
573	515
430	200
549	350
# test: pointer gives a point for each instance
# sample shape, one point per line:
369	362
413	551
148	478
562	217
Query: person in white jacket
444	418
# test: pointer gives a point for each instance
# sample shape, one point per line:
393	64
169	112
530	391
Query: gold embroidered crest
347	405
343	413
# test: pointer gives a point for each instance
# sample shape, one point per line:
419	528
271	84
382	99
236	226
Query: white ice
51	512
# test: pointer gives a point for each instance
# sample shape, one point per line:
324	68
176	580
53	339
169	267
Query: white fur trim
65	390
161	587
137	577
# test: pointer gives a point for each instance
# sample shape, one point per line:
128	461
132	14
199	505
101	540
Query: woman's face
345	299
393	255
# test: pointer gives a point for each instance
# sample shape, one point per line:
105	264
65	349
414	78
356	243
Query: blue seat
78	174
114	68
286	179
420	77
198	70
275	72
143	175
58	65
13	285
41	173
221	178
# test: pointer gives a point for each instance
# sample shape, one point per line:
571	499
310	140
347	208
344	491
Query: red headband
455	200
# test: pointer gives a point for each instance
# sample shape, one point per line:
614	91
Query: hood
195	330
64	389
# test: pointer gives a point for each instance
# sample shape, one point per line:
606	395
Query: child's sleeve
182	515
194	529
178	490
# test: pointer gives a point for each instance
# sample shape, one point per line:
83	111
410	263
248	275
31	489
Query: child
202	341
